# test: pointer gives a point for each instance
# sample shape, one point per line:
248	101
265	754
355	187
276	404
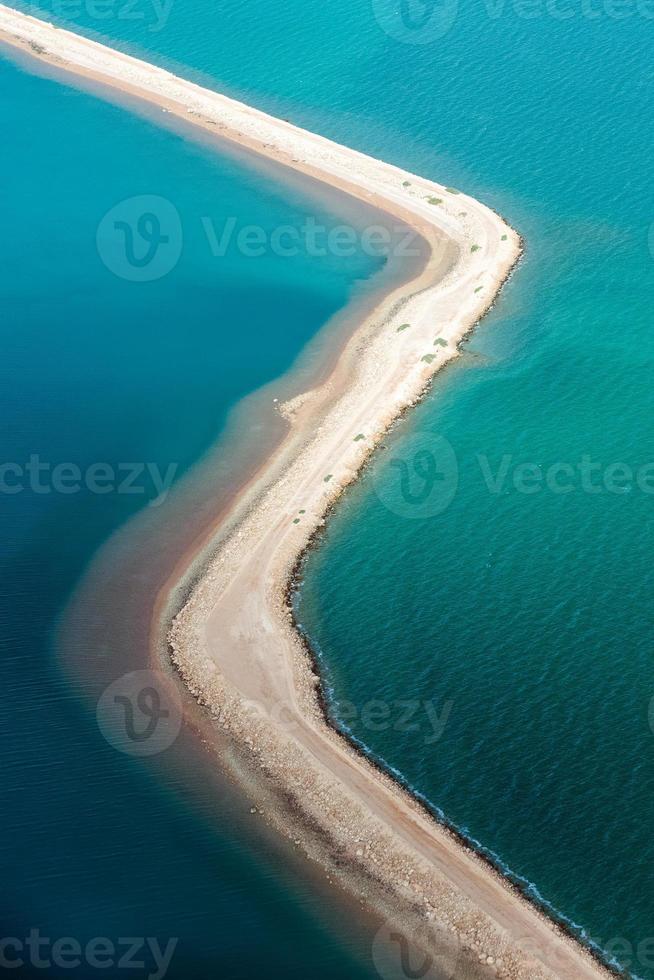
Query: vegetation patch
440	342
428	358
403	326
359	437
475	248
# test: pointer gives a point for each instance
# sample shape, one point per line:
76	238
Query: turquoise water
101	369
526	614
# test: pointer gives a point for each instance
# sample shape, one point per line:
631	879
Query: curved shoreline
265	694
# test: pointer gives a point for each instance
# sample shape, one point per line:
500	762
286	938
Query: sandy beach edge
266	693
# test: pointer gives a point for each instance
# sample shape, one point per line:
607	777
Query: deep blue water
526	613
99	369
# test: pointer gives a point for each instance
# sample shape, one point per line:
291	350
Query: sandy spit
234	641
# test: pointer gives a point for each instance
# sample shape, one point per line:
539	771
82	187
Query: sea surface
101	370
509	661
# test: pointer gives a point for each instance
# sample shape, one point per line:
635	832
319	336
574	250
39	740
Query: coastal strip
234	641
